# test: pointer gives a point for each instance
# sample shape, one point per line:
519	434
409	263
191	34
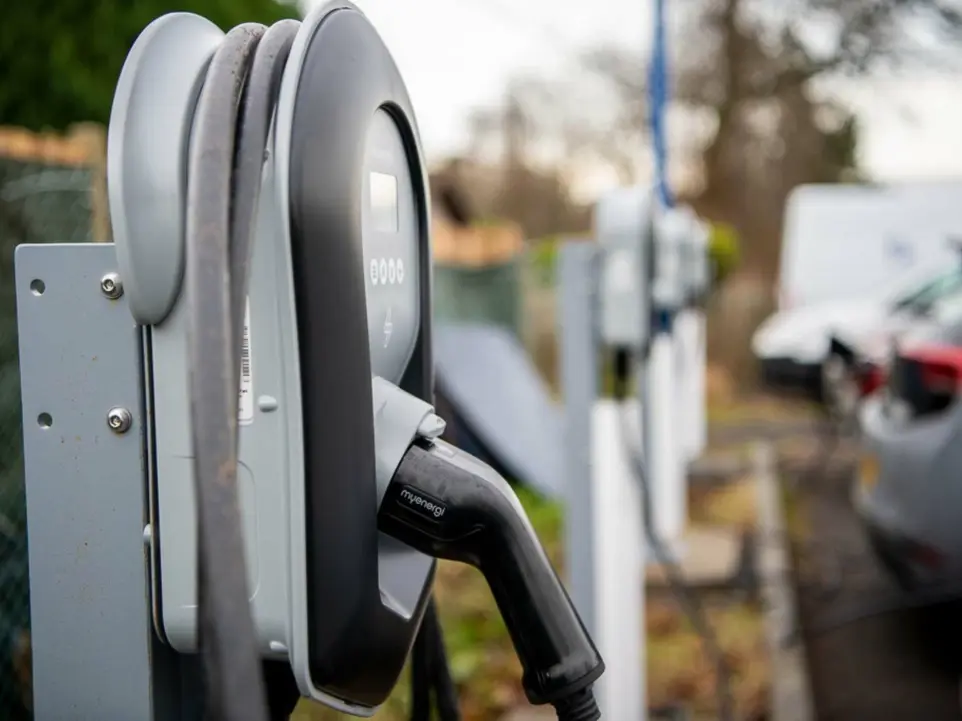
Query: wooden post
476	246
84	145
92	138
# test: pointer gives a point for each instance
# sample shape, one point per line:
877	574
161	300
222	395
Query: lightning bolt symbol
388	328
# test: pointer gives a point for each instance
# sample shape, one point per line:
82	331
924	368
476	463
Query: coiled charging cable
227	152
431	674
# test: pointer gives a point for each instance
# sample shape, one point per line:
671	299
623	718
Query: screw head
119	420
111	286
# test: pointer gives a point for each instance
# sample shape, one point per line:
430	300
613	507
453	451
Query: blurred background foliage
724	251
84	43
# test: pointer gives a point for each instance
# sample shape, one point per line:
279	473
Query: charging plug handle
448	504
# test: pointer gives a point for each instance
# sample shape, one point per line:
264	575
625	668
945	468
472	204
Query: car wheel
840	389
833	375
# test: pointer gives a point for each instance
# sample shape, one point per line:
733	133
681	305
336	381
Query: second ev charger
655	276
647	260
641	291
346	495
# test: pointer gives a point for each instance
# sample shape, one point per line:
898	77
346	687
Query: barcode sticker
246	404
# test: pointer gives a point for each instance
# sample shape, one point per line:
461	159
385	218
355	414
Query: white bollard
699	386
619	563
690	382
666	463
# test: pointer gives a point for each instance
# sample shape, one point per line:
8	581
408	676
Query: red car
857	369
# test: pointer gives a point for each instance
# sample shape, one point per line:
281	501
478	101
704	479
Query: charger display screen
390	225
384	211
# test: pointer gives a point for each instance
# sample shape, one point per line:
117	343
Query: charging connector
446	503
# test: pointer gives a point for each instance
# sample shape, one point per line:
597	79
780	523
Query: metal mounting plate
90	612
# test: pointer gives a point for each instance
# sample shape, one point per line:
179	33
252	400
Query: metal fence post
579	384
605	529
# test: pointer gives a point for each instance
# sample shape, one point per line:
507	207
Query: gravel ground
721	434
873	653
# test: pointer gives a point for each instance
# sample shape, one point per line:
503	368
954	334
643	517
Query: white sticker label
246	404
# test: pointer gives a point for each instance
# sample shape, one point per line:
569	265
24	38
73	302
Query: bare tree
747	68
517	159
750	63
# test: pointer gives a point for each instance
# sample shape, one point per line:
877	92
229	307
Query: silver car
907	491
856	350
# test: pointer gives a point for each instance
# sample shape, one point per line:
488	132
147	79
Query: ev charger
623	225
269	204
332	201
641	286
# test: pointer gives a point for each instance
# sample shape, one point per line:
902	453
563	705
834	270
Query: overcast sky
457	54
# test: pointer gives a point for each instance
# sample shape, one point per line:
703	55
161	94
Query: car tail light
940	378
926	556
873	359
871	377
927	378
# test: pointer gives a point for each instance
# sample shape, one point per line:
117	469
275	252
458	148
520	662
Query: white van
843	242
847	251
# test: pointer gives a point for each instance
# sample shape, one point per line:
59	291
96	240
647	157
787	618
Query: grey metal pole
579	382
604	538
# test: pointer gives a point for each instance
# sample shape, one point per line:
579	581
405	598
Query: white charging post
660	402
691	338
627	291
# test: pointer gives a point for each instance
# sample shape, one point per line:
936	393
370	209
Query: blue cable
662	319
658	102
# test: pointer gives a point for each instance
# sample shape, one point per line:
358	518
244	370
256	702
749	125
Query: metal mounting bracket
95	656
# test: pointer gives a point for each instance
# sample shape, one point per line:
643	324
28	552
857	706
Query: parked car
907	492
854	368
813	349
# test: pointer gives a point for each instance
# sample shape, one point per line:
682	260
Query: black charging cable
448	504
686	598
431	673
421	682
446	694
227	154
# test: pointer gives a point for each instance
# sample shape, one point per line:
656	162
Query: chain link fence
40	202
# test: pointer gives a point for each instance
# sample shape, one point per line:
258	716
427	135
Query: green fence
39	203
489	294
518	295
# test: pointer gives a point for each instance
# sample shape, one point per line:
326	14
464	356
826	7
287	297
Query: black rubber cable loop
430	672
234	686
421	685
446	695
258	104
259	100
